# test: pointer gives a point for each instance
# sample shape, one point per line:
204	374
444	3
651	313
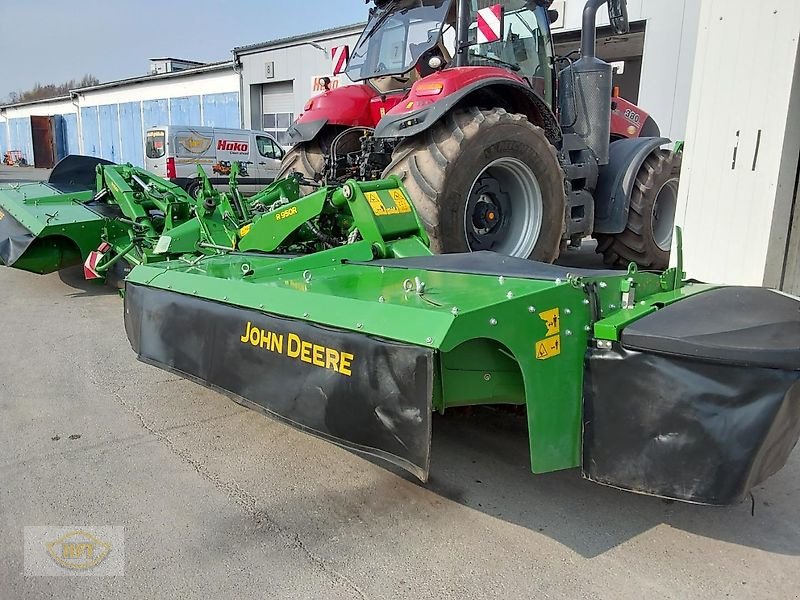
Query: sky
52	41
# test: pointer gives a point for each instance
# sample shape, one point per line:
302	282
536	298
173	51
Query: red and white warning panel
340	55
490	24
90	266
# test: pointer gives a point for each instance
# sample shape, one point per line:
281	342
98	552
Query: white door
268	157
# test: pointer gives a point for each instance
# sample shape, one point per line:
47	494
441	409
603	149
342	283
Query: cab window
268	148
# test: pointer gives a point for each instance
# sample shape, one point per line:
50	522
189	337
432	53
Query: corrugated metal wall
221	110
116	131
130	128
109	132
90	131
71	134
185	111
155	112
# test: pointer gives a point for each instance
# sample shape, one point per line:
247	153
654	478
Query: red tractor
462	100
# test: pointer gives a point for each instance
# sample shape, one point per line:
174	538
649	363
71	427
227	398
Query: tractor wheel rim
504	209
663	217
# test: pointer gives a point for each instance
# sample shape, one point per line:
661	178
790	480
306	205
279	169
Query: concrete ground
22	174
218	501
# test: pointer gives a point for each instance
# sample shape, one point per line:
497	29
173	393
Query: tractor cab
408	40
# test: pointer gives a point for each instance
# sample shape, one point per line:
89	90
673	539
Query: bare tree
51	90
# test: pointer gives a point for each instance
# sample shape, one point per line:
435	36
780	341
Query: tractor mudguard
305	131
348	106
419	112
612	199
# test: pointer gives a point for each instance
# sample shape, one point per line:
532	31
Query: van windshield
155	144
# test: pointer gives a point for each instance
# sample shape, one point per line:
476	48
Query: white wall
45	109
213	82
741	159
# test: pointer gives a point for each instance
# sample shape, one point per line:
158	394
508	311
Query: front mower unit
45	227
361	342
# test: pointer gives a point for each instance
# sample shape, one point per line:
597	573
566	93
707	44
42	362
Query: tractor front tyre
307	159
647	238
485	180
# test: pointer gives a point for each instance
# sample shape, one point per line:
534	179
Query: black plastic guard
381	408
76	173
15	239
684	428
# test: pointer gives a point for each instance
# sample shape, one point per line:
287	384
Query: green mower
330	313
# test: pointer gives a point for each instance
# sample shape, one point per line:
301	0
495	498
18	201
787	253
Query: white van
173	152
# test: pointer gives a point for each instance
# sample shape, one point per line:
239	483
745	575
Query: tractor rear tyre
307	159
647	239
485	180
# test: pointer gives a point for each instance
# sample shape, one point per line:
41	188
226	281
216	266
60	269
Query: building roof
203	68
297	39
33	102
183	60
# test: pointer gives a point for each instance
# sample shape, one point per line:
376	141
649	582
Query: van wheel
193	188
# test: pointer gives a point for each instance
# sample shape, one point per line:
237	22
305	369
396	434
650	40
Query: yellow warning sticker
552	318
400	201
376	204
401	205
548	348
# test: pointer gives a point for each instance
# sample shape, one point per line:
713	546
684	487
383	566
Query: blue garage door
154	113
20	138
90	128
185	111
221	110
71	133
109	132
130	126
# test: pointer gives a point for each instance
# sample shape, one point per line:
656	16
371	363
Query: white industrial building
109	119
733	105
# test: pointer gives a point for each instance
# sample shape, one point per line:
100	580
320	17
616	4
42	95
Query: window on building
276	124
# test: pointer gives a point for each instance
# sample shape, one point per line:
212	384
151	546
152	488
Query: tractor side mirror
618	15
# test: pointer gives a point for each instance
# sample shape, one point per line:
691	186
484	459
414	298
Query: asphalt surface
218	501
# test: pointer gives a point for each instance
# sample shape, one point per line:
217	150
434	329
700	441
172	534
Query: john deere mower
329	312
502	145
